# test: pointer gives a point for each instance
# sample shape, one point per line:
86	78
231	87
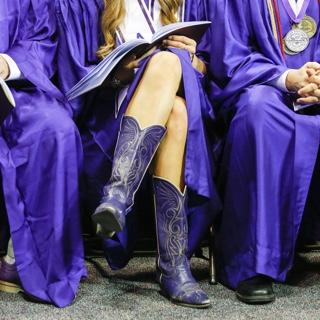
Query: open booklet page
194	30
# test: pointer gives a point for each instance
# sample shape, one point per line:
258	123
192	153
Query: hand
310	93
125	71
300	78
182	42
4	68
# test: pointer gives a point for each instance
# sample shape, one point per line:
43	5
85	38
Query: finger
308	100
184	40
312	65
311	72
316	93
135	63
179	45
314	79
125	63
147	54
173	43
307	89
132	65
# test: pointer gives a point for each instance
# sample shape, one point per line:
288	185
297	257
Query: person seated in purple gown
153	113
40	156
265	65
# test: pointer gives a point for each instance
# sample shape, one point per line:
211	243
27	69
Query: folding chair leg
212	258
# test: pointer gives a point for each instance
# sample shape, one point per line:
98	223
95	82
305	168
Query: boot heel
106	221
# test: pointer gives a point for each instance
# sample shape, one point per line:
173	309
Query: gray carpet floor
133	294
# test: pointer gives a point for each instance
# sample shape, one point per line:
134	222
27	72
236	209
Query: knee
55	121
165	63
178	121
256	105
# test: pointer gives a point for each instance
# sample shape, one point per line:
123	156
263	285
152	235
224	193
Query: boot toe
187	294
197	298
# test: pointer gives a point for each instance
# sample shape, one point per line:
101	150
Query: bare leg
169	160
140	135
155	95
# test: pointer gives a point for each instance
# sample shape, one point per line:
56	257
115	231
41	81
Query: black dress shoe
256	290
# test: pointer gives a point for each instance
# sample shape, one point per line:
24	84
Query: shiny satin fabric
270	151
100	131
40	159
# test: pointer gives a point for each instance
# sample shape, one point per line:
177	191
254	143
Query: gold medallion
308	25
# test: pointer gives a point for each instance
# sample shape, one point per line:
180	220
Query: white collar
142	20
296	6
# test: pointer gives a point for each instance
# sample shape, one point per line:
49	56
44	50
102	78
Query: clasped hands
305	82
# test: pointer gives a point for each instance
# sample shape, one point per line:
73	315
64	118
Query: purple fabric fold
100	131
270	152
40	160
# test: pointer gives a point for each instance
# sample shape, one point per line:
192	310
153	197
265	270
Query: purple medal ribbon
291	13
152	8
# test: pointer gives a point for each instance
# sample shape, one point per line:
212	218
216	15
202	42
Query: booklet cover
298	107
95	78
7	102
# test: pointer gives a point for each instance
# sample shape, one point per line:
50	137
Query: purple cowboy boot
9	278
133	154
173	267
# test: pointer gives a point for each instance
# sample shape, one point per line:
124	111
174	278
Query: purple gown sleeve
244	51
204	46
79	40
197	11
34	47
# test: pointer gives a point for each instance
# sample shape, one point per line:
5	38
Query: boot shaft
171	224
133	154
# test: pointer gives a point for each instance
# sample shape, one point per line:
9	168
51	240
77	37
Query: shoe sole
9	287
256	300
184	304
106	222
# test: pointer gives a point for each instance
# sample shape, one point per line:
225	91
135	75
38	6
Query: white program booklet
298	107
7	102
95	78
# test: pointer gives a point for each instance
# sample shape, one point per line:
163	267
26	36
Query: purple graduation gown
270	152
100	131
79	38
40	157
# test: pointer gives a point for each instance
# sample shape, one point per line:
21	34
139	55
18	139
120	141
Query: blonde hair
114	14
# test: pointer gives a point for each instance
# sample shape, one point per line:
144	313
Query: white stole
138	22
142	21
